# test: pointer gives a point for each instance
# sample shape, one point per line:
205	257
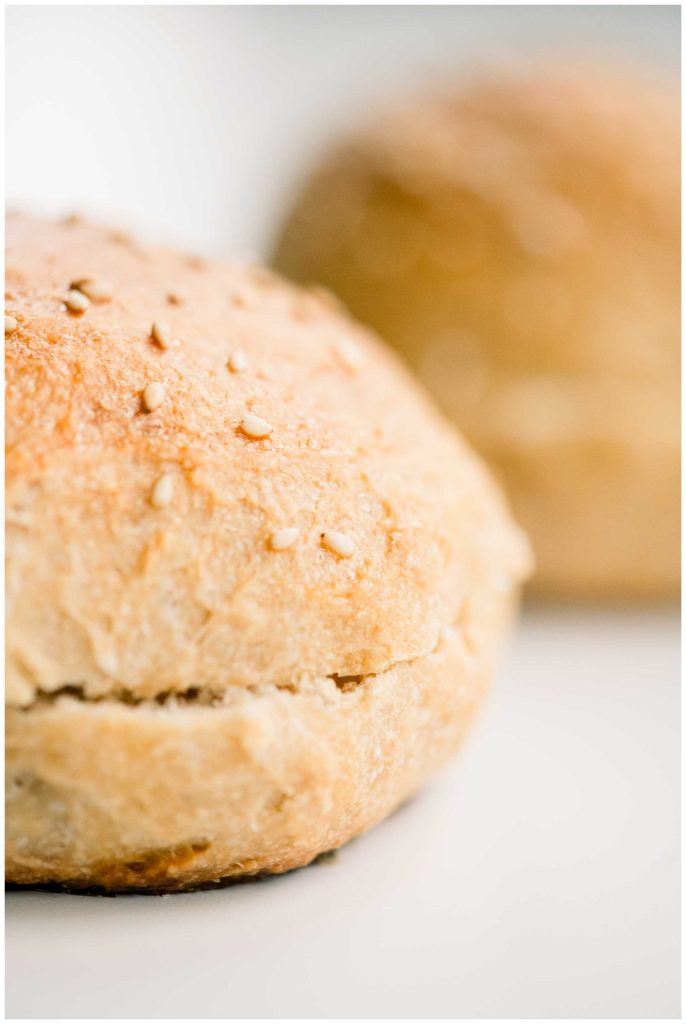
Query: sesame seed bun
248	611
517	239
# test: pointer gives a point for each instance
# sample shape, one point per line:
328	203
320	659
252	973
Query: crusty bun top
532	175
145	537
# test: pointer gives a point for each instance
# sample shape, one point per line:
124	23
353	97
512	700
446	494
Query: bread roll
255	583
518	240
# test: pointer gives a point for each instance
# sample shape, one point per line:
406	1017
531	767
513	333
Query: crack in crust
195	695
199	696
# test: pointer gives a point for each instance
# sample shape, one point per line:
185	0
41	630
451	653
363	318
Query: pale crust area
517	239
192	698
164	798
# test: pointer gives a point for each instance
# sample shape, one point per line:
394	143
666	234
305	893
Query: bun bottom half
148	797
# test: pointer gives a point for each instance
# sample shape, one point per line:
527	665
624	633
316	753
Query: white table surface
538	876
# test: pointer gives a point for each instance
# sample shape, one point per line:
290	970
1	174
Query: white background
539	875
193	124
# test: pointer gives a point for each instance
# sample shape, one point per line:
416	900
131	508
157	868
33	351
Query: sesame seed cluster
78	298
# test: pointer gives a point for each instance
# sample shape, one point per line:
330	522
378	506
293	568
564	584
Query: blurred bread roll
517	239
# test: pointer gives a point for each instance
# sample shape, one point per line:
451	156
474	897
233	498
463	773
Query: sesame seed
502	583
120	238
76	302
349	355
153	395
10	325
97	289
254	426
160	332
237	362
338	543
282	539
162	492
325	297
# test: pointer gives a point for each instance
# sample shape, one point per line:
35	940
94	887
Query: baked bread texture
517	239
254	584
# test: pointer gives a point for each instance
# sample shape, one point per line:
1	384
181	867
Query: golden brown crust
518	240
109	592
192	696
